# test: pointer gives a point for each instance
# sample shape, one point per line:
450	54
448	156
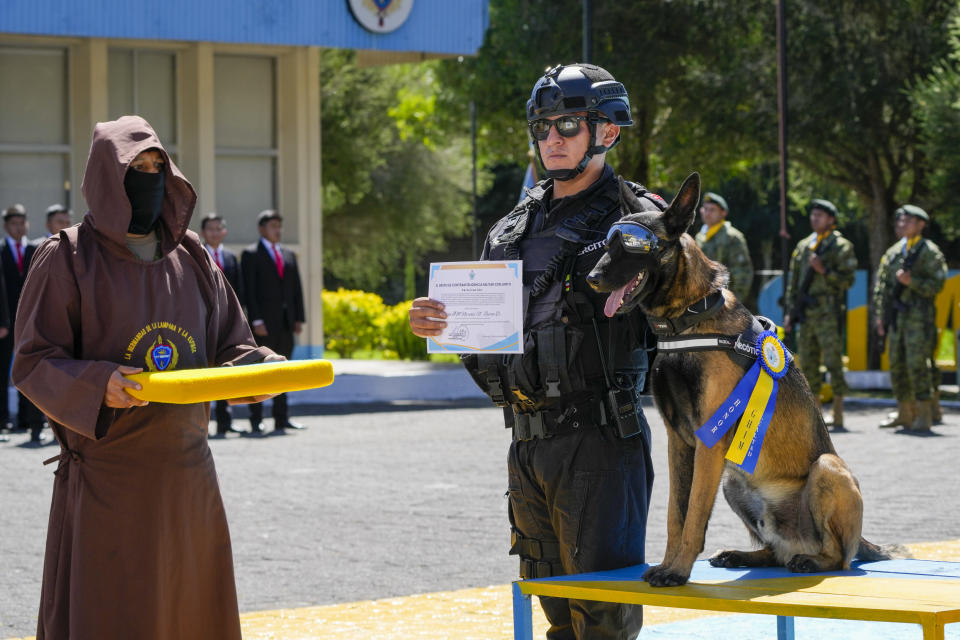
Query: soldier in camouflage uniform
725	244
936	412
903	300
822	269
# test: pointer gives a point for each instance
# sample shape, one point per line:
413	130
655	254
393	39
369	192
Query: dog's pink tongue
613	301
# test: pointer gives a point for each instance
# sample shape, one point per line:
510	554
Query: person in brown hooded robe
137	541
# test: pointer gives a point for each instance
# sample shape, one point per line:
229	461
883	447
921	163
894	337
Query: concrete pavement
399	496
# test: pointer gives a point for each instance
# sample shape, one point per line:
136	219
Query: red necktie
20	258
219	260
279	260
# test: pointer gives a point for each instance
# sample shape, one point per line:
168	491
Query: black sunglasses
635	237
567	126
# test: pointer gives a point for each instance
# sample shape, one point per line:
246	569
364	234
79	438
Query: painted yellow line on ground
484	613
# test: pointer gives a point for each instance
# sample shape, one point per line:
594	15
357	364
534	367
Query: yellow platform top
892	591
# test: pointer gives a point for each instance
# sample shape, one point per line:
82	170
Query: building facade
232	89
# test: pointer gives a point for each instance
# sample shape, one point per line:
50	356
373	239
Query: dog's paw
802	563
728	559
663	576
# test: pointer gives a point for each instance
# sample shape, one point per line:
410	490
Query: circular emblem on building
380	16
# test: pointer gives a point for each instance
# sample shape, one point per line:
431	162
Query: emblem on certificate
484	306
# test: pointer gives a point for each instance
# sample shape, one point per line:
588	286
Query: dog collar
708	307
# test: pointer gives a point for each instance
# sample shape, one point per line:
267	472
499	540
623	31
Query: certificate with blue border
484	306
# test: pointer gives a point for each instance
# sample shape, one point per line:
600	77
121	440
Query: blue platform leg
784	627
523	615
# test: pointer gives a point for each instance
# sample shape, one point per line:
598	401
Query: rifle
896	305
804	300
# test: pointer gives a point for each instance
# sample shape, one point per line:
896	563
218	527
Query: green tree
850	114
395	185
702	81
721	114
936	104
641	43
851	124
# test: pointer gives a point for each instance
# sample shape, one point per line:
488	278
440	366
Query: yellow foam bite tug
186	386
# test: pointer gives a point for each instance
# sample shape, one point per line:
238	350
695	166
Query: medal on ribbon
752	402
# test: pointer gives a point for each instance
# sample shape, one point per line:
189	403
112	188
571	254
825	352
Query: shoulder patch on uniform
656	198
642	192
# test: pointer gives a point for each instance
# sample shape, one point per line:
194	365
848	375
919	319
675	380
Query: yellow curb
484	613
481	614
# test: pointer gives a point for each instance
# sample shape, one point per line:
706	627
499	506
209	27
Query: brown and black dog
801	504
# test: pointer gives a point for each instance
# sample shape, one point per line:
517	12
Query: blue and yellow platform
924	592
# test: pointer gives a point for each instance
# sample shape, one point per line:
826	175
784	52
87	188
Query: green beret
718	200
826	205
912	210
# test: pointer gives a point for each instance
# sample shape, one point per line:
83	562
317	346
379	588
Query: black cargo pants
579	501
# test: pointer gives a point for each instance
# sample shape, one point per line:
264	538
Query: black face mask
145	192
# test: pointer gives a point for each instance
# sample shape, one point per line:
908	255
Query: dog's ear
629	202
679	215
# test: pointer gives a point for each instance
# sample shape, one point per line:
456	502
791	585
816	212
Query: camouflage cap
912	210
716	199
824	205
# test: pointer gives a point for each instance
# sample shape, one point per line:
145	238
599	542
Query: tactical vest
572	353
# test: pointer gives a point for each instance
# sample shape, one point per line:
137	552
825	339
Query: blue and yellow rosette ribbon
752	402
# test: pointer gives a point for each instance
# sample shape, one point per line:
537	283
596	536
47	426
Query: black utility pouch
486	372
623	412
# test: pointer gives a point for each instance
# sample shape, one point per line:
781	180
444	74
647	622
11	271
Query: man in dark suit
15	255
274	300
214	230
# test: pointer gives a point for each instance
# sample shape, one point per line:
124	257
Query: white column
197	153
298	178
88	106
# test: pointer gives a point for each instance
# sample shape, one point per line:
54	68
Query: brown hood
115	145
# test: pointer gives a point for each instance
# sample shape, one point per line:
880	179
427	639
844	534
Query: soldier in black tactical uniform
580	474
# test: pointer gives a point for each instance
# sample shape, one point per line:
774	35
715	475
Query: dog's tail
869	552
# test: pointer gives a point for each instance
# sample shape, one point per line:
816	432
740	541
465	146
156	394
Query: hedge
360	321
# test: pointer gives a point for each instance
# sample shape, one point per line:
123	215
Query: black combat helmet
575	88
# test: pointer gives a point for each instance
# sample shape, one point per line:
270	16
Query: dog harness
740	347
